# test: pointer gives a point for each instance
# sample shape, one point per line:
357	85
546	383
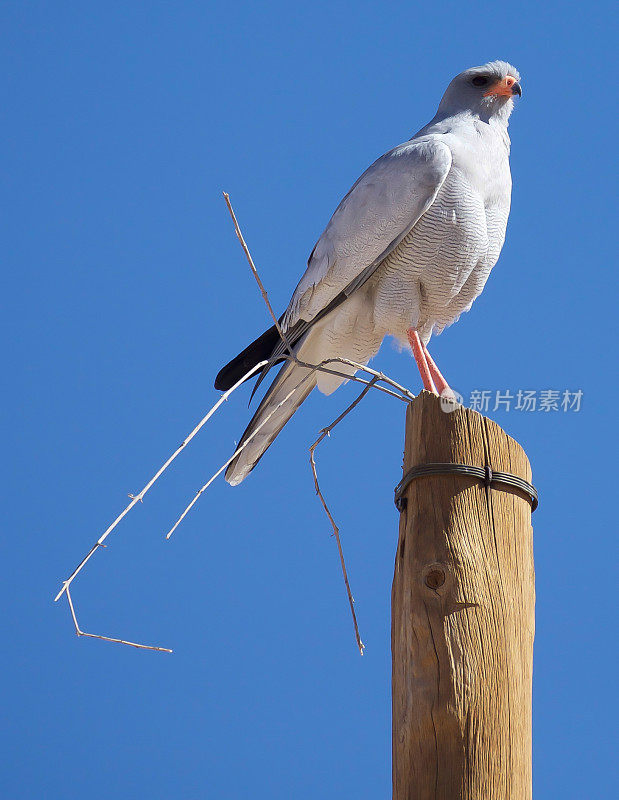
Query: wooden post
462	616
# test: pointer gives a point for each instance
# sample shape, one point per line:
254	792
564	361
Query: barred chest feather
438	270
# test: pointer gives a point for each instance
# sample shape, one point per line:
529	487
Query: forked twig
400	393
394	390
336	531
80	632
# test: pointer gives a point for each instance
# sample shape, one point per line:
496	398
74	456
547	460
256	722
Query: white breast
441	267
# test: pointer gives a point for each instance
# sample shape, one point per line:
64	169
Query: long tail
346	332
289	389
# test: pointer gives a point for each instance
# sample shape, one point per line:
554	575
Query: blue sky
126	290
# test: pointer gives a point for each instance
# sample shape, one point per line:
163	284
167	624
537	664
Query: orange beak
507	87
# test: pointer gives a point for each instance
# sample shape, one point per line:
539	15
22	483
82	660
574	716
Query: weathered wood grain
462	617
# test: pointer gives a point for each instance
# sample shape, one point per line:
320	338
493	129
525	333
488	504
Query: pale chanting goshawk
407	251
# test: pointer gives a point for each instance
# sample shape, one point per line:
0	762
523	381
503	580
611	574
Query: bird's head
487	90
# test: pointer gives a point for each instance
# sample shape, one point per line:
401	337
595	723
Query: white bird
407	251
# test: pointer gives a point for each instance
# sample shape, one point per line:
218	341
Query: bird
406	252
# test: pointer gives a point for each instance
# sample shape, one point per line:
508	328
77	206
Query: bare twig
336	531
80	632
139	498
252	266
391	388
400	393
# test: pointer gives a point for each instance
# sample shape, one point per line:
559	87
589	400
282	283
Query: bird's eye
480	80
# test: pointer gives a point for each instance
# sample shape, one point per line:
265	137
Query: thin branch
80	632
401	393
378	377
368	385
407	396
252	266
371	384
336	531
139	497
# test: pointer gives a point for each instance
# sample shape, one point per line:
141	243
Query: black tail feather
253	354
264	346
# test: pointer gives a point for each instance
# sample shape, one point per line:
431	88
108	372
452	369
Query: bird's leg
444	389
420	358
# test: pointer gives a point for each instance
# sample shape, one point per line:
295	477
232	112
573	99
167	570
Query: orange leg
444	389
420	358
441	383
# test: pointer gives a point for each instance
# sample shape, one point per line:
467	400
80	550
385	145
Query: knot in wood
435	577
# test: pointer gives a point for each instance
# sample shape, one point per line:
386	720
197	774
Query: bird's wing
378	212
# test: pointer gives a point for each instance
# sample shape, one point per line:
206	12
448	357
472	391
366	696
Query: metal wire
485	474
